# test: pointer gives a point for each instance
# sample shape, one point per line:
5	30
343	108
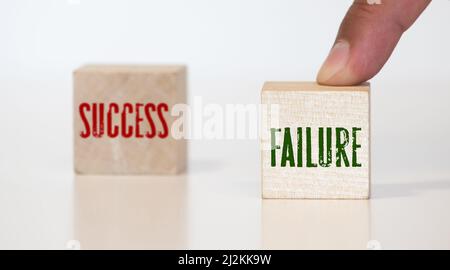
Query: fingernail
335	62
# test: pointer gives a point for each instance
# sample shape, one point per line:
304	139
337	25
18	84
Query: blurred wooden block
122	119
315	142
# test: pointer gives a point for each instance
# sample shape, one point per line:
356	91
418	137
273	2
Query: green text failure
345	147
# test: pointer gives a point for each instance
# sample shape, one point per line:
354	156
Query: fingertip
335	62
336	69
366	39
344	78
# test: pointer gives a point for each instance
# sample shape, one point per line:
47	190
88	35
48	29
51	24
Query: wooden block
122	119
317	143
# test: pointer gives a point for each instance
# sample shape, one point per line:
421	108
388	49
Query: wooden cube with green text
316	143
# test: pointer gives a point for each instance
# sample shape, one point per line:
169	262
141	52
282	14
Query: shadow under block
315	141
122	119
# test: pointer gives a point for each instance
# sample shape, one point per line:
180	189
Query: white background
231	47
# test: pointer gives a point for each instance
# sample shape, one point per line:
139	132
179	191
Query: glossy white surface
216	206
43	205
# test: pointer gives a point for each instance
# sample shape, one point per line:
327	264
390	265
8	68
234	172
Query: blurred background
230	47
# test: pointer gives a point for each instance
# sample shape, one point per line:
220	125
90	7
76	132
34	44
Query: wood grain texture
128	84
304	104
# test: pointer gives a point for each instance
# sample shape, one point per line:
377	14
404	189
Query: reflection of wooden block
315	224
131	212
122	119
317	143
